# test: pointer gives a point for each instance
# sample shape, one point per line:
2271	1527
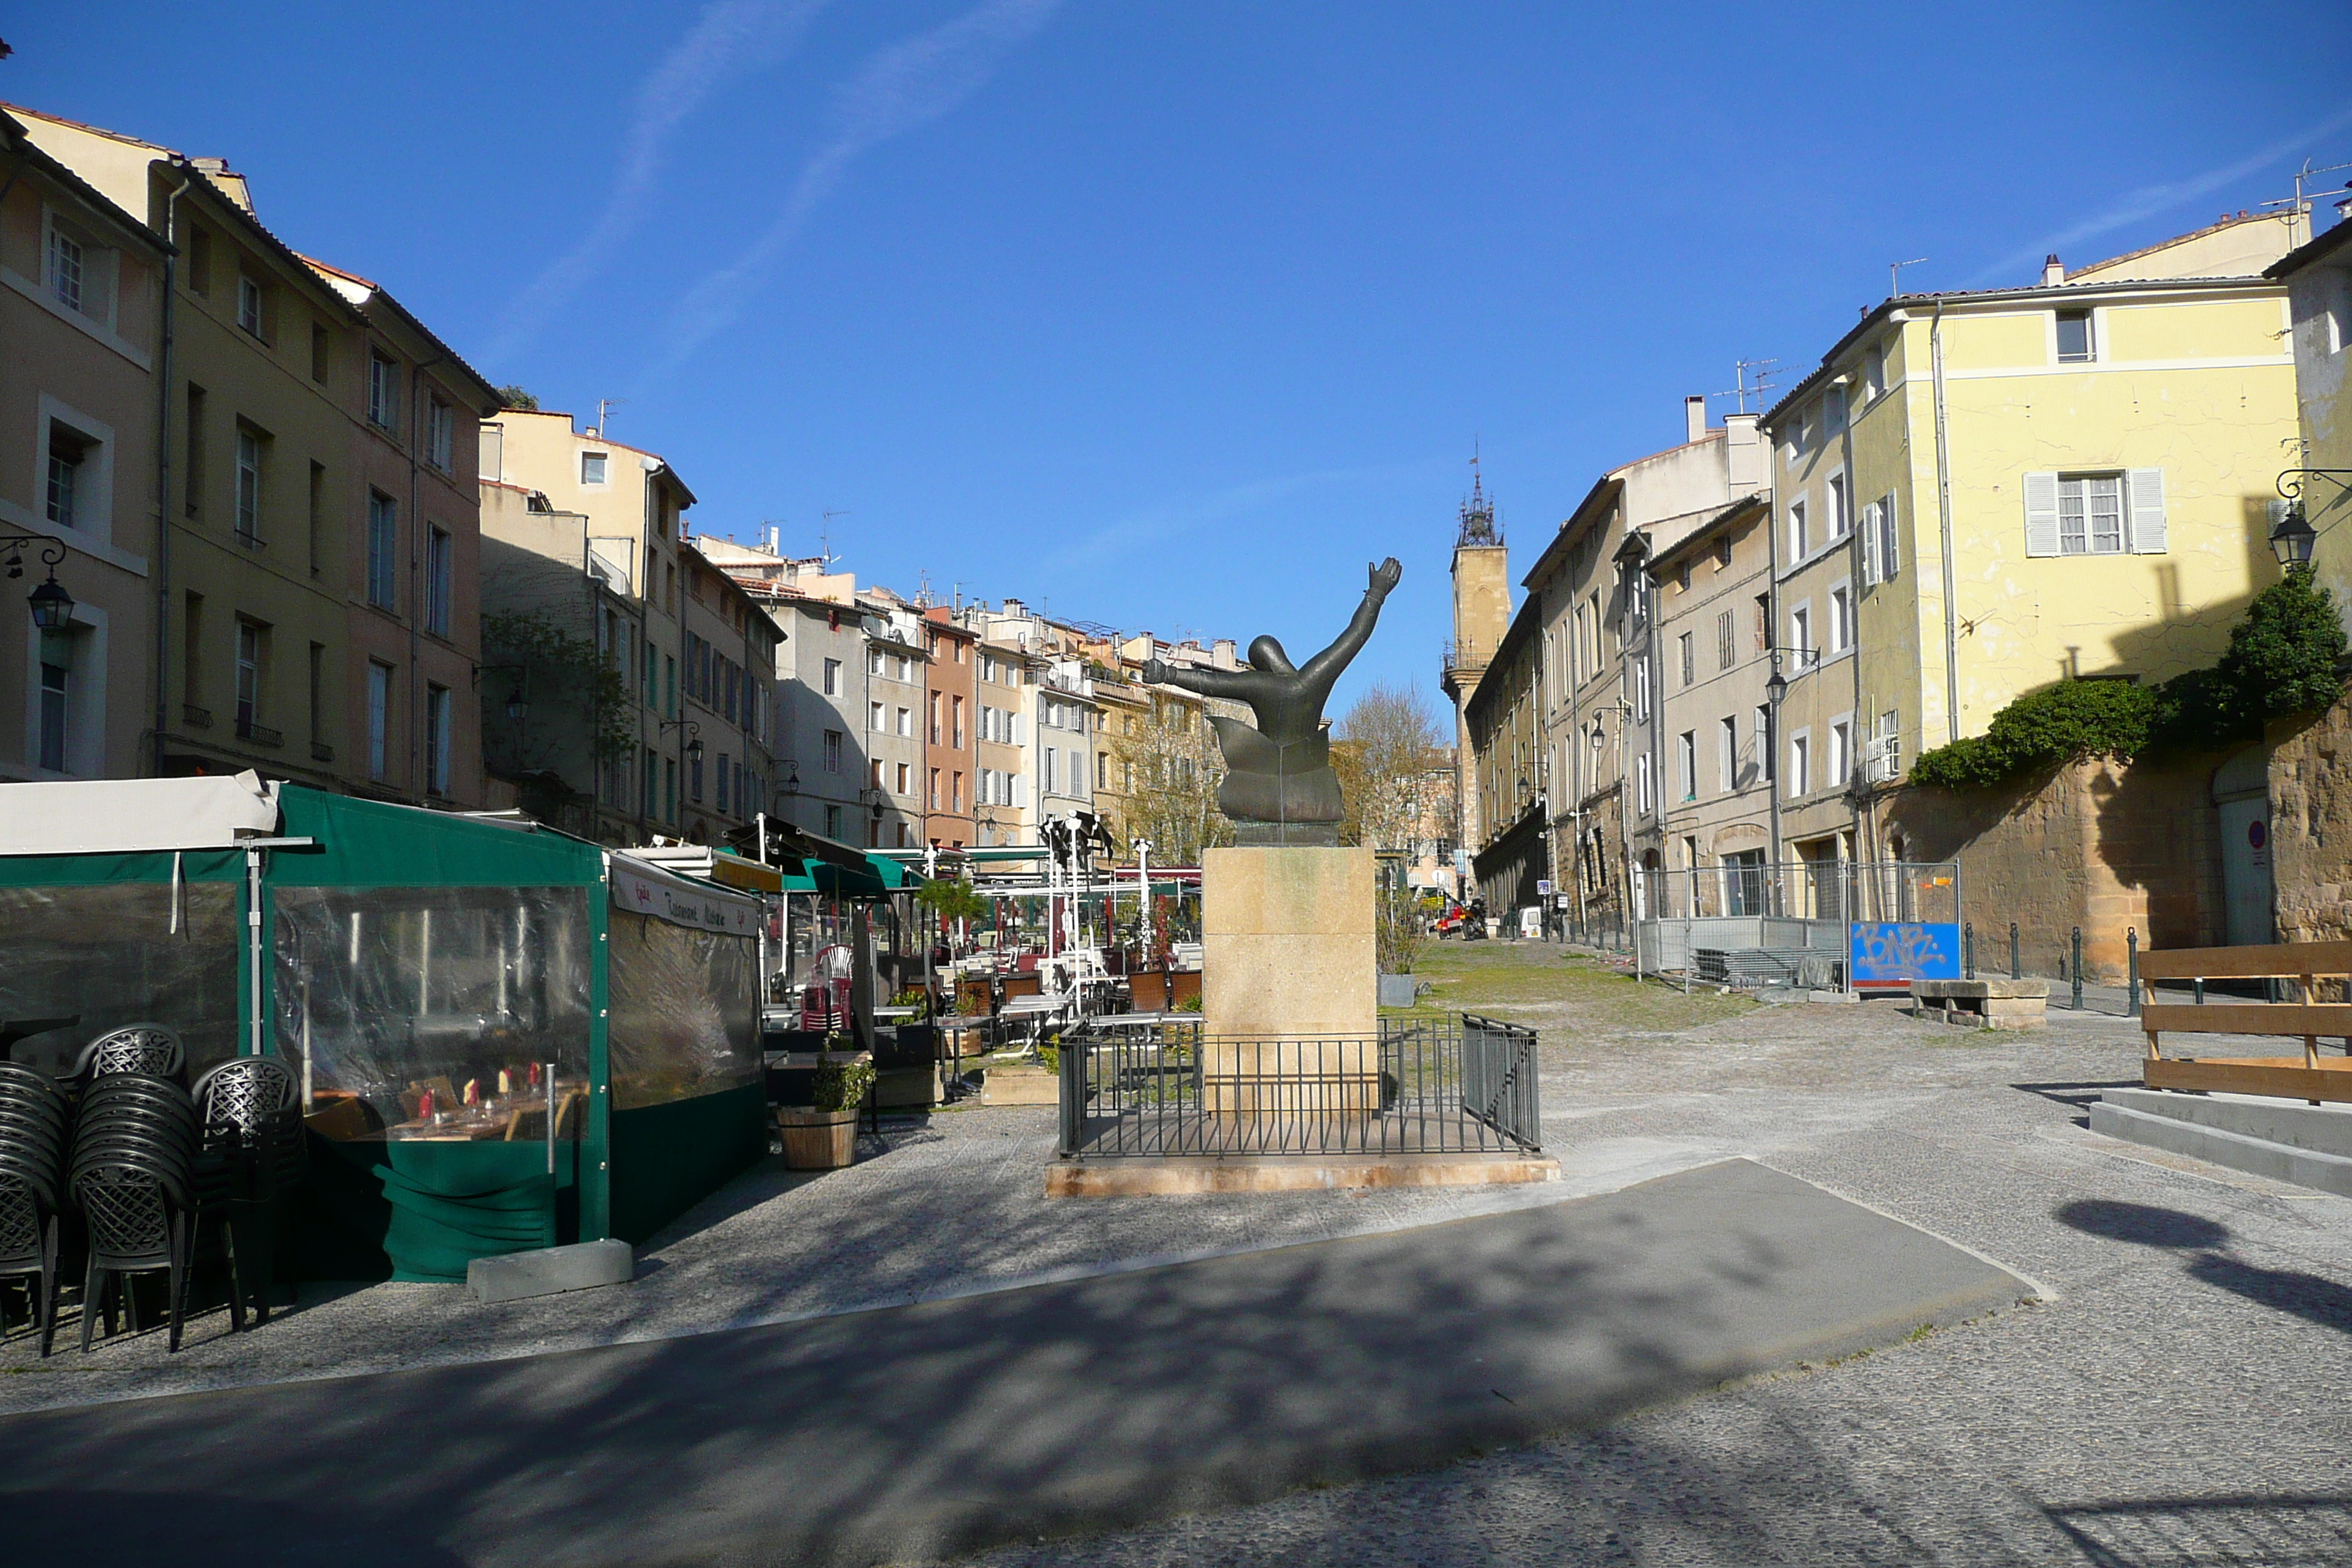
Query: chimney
1694	418
2052	273
1225	654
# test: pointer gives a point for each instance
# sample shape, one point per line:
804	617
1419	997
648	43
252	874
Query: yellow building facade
2014	488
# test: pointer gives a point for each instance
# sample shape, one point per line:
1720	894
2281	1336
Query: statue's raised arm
1324	668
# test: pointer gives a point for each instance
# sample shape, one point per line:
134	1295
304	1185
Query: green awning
845	881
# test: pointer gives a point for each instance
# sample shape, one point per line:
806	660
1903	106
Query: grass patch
1522	982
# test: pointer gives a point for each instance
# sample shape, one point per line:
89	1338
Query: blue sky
1176	314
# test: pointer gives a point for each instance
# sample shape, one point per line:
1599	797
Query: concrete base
1982	1004
1289	983
1288	1174
549	1270
2309	1145
1019	1085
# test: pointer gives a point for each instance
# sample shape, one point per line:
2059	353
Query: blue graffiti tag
1905	950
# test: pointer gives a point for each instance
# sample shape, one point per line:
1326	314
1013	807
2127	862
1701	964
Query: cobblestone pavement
2182	1395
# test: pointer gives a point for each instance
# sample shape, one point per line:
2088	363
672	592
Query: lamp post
51	605
1776	689
2292	536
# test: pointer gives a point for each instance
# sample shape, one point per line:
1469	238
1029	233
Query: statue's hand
1386	576
1154	672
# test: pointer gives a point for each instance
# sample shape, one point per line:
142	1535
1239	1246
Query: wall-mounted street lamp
517	700
2291	535
51	605
693	735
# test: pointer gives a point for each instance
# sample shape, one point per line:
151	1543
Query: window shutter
1870	544
2145	488
1890	547
2041	514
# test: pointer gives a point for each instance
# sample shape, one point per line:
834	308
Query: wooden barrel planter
817	1139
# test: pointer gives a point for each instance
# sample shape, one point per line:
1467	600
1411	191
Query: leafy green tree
513	396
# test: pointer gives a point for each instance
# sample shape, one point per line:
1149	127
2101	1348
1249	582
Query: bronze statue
1279	787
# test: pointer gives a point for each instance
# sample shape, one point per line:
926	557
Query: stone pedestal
1289	998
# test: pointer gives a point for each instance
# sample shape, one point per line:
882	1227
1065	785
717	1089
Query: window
1682	578
383	558
1796	531
669	686
1874	373
2096	514
317	693
1801	637
1729	754
1686	757
436	740
1689	663
383	392
875	656
1726	641
905	776
907	722
934	795
1796	435
1841	753
878	718
65	269
1763	623
935	718
1642	784
248	486
321	352
592	472
693	777
1801	779
248	304
646	799
1890	550
956	801
248	676
832	822
1833	411
200	260
1764	738
1053	771
318	518
1723	553
955	709
1841	618
725	771
192	484
2074	342
1841	510
69	460
833	677
1577	669
53	716
380	715
192	656
833	751
440	569
1102	770
2090	514
440	432
1642	690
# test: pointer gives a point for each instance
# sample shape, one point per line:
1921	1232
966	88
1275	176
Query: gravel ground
2180	1396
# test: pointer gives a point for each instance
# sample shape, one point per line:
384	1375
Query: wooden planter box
817	1139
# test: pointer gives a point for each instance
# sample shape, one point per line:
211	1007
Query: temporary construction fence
1844	925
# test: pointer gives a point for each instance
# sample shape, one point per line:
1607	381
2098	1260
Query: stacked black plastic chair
149	1049
134	1178
247	1107
32	1182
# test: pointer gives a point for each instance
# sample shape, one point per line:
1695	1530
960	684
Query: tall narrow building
1482	614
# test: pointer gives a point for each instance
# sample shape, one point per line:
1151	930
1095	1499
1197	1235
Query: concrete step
2282	1140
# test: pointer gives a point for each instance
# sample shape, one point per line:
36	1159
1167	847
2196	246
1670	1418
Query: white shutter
1870	544
1890	547
2145	497
2041	514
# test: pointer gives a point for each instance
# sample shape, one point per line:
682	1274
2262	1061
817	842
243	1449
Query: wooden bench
2309	1077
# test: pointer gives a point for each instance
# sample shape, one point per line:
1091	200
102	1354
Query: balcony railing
259	734
195	718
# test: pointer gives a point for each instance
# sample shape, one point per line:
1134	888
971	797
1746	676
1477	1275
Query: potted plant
822	1134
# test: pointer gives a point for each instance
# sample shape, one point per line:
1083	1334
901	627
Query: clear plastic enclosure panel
436	1013
684	1020
105	955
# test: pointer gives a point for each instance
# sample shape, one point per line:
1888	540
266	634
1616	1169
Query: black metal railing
1440	1086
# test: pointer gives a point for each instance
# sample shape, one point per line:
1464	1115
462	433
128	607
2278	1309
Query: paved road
955	1425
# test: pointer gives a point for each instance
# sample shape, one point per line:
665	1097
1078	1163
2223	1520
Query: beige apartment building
295	578
1003	802
896	677
81	287
726	696
1704	812
634	505
950	698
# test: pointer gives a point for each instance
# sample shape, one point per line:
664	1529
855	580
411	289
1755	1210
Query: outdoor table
895	1014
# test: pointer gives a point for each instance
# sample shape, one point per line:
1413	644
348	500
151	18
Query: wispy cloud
1150	524
2150	200
899	90
730	39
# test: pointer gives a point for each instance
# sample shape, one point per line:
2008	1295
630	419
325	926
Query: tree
1177	771
513	396
1385	755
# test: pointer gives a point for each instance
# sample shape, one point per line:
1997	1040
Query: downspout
1772	649
1854	575
416	534
164	473
1944	519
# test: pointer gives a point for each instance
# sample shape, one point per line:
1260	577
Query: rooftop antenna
824	535
1895	275
604	407
2300	204
1750	386
771	532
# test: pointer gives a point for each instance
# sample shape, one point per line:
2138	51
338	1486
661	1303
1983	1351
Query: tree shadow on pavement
2323	1301
2280	1531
